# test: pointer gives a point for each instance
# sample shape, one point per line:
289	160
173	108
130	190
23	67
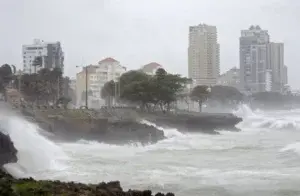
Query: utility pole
19	87
86	87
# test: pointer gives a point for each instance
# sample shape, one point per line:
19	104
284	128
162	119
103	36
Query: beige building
230	78
203	54
82	78
106	70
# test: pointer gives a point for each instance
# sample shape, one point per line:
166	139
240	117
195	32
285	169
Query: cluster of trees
44	87
162	90
149	92
222	94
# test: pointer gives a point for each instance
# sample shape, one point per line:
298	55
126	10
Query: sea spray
35	152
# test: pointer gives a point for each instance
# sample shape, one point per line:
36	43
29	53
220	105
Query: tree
200	94
226	94
108	92
41	87
64	101
38	61
145	90
6	75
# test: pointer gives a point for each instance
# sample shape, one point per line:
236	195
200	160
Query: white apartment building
106	70
253	59
261	62
203	54
230	78
276	64
50	52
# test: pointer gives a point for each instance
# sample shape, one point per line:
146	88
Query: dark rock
13	187
194	122
8	153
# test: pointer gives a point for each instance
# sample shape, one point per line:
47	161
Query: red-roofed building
106	70
108	60
151	68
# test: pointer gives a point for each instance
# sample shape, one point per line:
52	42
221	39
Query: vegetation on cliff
162	90
30	187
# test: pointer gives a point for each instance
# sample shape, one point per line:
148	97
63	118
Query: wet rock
8	153
194	121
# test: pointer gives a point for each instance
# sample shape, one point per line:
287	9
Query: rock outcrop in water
10	186
194	121
102	126
8	153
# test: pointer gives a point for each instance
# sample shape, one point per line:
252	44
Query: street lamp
86	84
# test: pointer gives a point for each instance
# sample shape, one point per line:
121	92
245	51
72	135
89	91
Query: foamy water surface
263	159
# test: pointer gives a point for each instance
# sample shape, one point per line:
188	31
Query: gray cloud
139	31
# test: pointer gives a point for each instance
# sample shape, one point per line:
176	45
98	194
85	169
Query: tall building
97	75
230	78
285	75
254	70
276	64
203	55
50	53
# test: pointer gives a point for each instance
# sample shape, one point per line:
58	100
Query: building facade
51	55
285	75
230	78
203	54
151	68
276	64
105	71
253	59
83	78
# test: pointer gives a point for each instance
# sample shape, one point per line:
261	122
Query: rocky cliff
8	153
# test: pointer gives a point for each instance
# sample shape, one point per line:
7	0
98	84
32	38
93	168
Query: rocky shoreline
121	125
77	124
10	186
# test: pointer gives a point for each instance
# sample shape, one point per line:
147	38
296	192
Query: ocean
263	159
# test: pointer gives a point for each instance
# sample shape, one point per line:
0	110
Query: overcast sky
137	32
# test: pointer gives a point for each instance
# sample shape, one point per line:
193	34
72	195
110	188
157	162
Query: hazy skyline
137	32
